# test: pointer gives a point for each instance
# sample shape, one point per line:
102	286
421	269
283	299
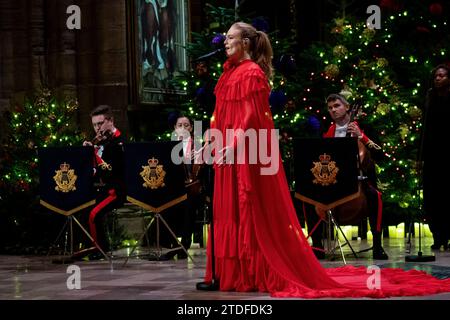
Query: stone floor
37	278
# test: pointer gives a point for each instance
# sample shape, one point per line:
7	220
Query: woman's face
183	128
441	78
234	46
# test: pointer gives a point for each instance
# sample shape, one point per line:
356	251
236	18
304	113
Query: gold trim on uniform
106	166
372	145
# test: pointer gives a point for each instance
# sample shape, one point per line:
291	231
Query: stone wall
37	49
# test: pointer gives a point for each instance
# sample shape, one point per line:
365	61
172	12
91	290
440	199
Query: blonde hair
260	48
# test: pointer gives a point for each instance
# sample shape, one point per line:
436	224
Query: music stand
66	187
155	183
326	176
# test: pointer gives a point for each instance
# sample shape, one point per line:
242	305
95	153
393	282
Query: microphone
209	55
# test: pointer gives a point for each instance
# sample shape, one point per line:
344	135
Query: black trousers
437	214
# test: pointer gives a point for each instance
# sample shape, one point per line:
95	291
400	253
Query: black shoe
379	254
208	286
95	256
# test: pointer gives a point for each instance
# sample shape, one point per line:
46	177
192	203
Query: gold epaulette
105	166
372	145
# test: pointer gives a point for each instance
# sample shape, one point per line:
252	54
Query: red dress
259	243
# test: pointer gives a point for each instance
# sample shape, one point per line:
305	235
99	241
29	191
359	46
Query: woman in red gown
259	243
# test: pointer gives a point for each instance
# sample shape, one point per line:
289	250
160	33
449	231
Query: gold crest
65	178
325	170
153	174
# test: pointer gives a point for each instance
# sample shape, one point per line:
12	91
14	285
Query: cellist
343	126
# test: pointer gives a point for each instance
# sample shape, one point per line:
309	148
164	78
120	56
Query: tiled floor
37	278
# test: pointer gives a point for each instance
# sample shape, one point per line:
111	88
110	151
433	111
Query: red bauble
422	29
393	5
436	9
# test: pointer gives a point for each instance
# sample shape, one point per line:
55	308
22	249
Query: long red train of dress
259	243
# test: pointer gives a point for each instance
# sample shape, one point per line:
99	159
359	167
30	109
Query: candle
305	232
427	231
354	232
339	234
205	234
392	232
369	235
349	232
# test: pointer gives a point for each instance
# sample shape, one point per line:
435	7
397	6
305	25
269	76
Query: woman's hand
226	156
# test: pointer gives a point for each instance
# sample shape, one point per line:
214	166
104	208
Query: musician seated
109	177
183	217
344	126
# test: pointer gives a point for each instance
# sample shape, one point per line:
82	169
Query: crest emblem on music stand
325	170
153	174
65	178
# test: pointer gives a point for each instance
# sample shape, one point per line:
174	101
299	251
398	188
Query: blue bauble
277	100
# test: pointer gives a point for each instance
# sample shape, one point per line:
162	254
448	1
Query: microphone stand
214	284
209	55
420	257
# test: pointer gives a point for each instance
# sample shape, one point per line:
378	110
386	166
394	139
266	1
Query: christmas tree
207	57
205	52
43	120
388	70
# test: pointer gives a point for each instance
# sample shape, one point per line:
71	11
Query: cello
353	211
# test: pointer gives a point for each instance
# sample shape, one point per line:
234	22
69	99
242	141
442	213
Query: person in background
182	217
339	110
436	115
183	130
109	177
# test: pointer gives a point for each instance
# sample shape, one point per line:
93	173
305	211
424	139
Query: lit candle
416	229
305	232
392	232
427	231
340	234
205	234
369	235
349	232
354	232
